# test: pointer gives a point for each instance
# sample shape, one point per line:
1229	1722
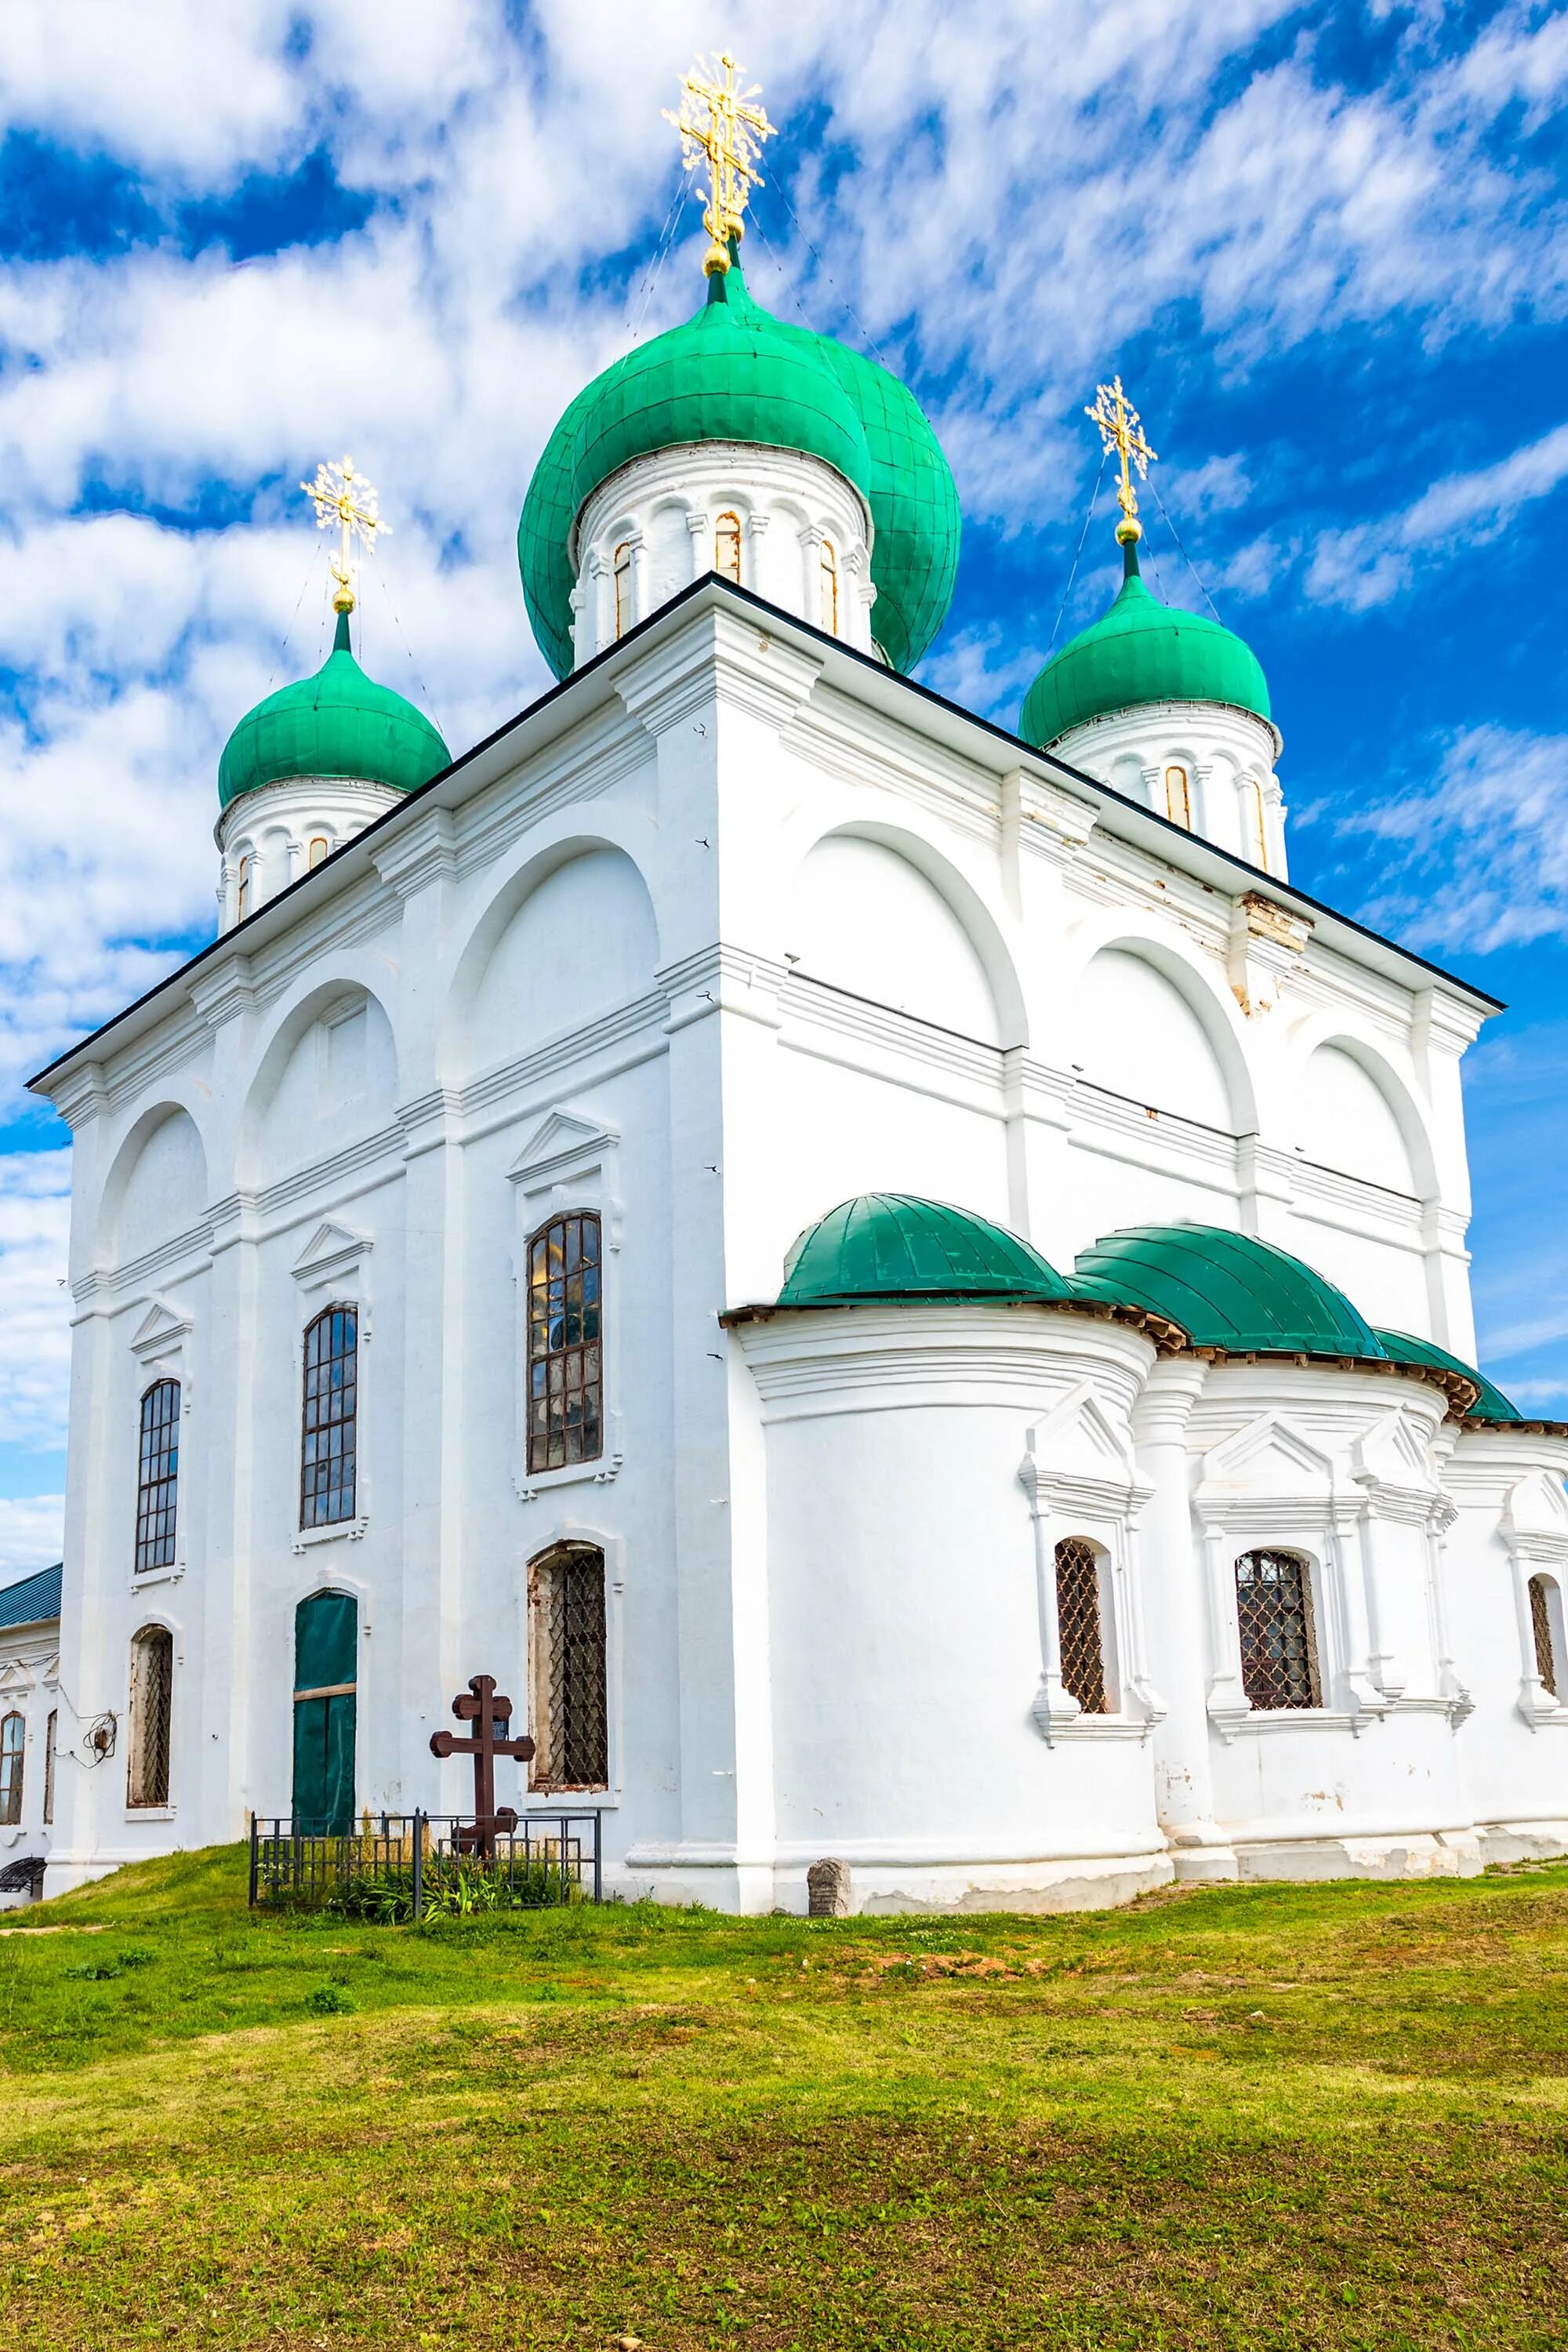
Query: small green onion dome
1226	1290
889	1245
735	372
1140	651
338	723
1491	1405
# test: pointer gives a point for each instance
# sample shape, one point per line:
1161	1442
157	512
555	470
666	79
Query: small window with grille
151	1699
1279	1643
158	1477
565	1344
1079	1624
828	590
727	546
623	578
50	1728
569	1716
1542	1593
330	1437
242	889
13	1731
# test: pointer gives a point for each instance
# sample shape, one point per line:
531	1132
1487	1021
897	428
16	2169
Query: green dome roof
1490	1405
1140	651
735	372
338	723
1226	1290
887	1245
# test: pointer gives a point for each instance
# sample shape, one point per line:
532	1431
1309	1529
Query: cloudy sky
1324	246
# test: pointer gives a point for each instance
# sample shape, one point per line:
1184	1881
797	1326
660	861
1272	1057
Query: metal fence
417	1865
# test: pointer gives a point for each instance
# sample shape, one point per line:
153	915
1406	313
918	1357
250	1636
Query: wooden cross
481	1707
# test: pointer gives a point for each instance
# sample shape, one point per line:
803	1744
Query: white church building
892	1280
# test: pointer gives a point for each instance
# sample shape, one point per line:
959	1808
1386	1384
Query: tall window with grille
565	1344
13	1732
1178	796
568	1676
621	573
1078	1631
827	588
1279	1641
1540	1630
727	546
158	1477
50	1728
151	1703
330	1435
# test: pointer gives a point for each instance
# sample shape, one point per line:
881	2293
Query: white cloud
34	1339
31	1530
1368	563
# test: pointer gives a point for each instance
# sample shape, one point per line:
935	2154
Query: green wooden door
326	1653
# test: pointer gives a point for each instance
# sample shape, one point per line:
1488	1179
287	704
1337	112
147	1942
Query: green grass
1242	2118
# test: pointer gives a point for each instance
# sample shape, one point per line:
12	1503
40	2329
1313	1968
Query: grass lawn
1276	2116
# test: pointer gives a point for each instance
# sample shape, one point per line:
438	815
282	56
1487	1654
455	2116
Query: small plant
135	1956
95	1971
328	2001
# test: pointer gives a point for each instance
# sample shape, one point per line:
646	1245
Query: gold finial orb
342	497
1122	430
722	126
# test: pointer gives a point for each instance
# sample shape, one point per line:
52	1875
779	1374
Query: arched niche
1136	1033
1349	1124
330	1077
579	942
160	1187
864	918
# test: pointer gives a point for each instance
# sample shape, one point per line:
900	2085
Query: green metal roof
34	1600
1490	1405
338	723
1140	651
735	372
1226	1290
889	1245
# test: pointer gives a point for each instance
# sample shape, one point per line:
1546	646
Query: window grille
565	1350
827	582
1279	1646
1178	797
152	1697
570	1713
1077	1624
1540	1626
623	577
12	1733
158	1477
319	849
49	1730
331	1410
727	546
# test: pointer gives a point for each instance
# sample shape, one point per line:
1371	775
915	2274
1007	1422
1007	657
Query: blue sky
1324	247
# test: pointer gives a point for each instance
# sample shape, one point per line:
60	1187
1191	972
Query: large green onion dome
338	723
890	1245
1140	651
735	372
1226	1290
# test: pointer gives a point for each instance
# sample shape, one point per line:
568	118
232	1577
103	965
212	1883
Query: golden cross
1121	429
342	497
720	124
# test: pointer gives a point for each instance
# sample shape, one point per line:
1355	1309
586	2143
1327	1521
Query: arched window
158	1477
331	1408
242	896
569	1715
152	1698
727	546
565	1351
1257	832
320	850
1540	1627
1078	1633
12	1733
623	576
49	1730
1278	1645
1178	796
827	588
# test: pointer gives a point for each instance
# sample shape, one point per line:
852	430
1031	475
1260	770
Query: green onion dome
1490	1405
889	1245
1140	651
735	372
1226	1290
338	723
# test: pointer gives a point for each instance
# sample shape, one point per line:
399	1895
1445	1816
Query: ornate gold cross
342	497
721	124
1121	429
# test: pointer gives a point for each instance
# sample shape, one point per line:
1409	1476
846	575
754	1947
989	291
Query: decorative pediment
568	1144
1077	1439
333	1250
1268	1457
161	1330
1537	1507
1395	1452
15	1679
